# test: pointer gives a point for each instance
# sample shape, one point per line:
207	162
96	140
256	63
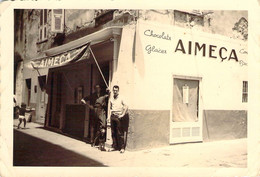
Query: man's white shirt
117	104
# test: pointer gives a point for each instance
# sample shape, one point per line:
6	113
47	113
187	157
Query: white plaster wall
30	73
19	83
75	18
124	75
152	86
218	23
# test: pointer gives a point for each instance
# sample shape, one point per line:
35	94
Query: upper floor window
43	25
57	21
55	24
245	92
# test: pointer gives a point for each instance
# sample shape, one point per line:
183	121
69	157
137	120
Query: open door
42	99
186	119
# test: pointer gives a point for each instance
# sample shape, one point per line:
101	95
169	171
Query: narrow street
32	151
35	146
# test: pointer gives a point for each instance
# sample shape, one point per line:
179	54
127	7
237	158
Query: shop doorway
76	85
186	118
75	117
56	97
68	84
96	78
28	91
42	99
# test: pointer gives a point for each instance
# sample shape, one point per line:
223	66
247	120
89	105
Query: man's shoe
112	149
122	151
92	143
103	148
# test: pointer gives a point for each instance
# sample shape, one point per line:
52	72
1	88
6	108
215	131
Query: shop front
182	85
69	85
73	73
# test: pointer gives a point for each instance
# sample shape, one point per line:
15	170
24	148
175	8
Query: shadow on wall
138	56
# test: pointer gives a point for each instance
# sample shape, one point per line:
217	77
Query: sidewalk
46	148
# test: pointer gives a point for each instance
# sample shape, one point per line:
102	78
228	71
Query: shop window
78	94
43	25
185	107
57	21
245	92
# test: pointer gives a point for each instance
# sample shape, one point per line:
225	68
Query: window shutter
41	17
45	16
57	21
43	25
40	33
44	32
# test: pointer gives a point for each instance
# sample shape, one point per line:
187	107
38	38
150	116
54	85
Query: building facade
183	73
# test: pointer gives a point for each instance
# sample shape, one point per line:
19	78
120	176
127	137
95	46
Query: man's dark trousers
117	132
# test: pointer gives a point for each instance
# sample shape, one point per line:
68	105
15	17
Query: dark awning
63	58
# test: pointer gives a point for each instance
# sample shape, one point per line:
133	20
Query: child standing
22	111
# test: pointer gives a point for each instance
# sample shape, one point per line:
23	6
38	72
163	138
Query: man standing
118	111
16	110
101	114
93	116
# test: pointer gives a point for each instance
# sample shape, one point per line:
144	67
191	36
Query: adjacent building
182	73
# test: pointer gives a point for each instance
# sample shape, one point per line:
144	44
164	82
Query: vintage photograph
130	88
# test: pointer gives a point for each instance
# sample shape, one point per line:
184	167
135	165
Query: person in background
22	111
118	111
101	114
93	116
15	107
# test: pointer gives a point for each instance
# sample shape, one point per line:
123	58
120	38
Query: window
43	25
57	22
245	92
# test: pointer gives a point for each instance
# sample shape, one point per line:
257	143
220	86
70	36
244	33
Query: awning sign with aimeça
63	58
